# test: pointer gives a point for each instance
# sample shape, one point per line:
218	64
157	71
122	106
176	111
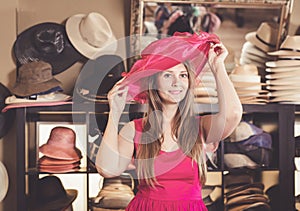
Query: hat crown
49	41
34	73
95	30
63	136
268	33
291	42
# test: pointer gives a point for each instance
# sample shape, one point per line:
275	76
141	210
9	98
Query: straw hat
249	48
91	34
289	47
4	181
287	74
246	76
265	38
283	63
282	69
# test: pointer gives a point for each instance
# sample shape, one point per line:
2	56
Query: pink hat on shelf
165	53
61	144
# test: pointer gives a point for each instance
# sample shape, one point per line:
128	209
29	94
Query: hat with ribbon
33	78
91	34
165	53
265	37
51	195
289	47
61	144
47	42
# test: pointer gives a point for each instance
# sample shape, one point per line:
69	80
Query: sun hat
289	47
91	34
283	63
33	78
51	195
61	144
265	38
47	42
4	181
6	118
164	54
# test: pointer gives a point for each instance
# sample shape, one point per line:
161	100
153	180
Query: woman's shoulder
129	130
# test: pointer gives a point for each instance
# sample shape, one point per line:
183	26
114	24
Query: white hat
289	47
265	38
4	182
91	34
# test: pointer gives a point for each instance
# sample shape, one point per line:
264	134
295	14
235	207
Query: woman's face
173	84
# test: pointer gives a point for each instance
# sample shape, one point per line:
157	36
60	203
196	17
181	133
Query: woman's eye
167	75
184	75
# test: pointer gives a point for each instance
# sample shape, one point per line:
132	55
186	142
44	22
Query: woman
169	143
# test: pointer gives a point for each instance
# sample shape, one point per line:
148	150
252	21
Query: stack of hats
206	89
258	43
60	152
283	74
248	147
248	85
35	84
246	196
51	195
212	196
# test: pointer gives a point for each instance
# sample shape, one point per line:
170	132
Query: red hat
165	53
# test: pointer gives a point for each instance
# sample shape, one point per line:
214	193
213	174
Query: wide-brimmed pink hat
61	144
165	53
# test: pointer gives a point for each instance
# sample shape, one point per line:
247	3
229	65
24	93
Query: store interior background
17	15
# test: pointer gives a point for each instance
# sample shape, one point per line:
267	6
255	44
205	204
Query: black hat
6	118
47	42
51	195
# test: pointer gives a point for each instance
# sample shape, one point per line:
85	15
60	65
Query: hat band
264	42
288	58
289	49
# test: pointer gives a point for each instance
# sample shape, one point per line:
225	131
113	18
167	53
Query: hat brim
4	182
284	81
283	87
48	98
249	48
283	63
284	53
45	161
89	51
61	203
280	93
282	69
58	152
26	51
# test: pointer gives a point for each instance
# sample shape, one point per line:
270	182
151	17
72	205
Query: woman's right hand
117	99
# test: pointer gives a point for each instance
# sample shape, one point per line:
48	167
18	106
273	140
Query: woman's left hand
216	56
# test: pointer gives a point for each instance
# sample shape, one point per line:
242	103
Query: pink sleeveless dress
178	187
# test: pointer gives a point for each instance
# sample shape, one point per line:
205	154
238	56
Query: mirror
231	21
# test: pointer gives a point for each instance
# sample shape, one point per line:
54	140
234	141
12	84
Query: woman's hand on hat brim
216	56
117	99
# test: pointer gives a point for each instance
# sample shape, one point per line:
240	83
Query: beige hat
281	93
287	74
246	76
284	81
283	87
291	98
236	160
248	47
265	38
91	34
289	47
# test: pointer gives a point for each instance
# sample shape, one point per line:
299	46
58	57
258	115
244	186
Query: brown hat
61	144
34	78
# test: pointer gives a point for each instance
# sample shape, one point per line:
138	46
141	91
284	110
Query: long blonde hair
185	127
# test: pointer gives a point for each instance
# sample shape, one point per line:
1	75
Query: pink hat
61	144
165	53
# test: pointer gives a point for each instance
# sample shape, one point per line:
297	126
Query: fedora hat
4	181
91	34
158	57
283	63
290	81
249	48
265	38
289	98
281	69
51	195
287	74
6	118
281	93
33	78
47	42
61	144
289	47
272	88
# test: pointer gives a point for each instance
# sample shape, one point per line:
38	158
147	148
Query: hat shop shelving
282	116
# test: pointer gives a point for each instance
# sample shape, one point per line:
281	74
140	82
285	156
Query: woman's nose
175	80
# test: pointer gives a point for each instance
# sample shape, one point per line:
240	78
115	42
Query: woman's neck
169	111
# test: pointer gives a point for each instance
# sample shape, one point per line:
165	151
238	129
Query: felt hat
61	144
289	47
34	78
165	53
4	181
91	34
265	38
51	195
6	118
47	42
